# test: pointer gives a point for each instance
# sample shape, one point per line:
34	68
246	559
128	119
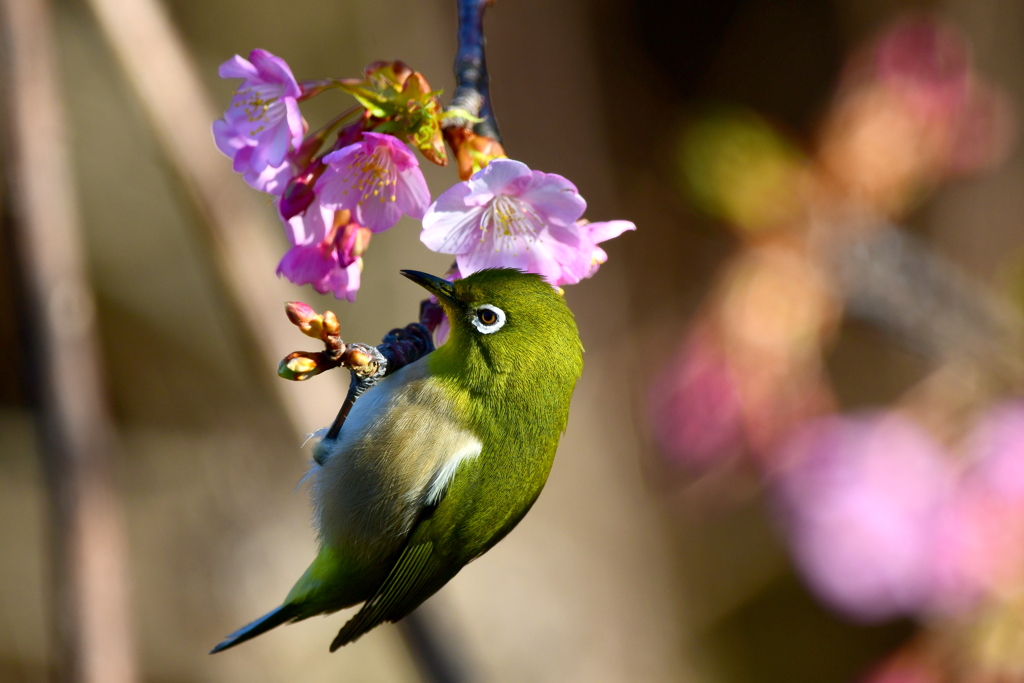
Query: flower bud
298	193
307	320
299	313
300	365
331	328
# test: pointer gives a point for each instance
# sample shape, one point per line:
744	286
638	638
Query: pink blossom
696	412
377	179
590	256
506	215
861	498
980	539
263	122
325	253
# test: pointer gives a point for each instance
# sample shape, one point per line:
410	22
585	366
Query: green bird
440	460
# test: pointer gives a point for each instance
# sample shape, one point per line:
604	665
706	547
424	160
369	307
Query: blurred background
794	455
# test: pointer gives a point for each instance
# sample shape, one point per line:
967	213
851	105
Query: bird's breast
401	444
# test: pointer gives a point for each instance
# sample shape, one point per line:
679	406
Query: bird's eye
487	319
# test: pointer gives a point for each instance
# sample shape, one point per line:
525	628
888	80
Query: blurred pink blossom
907	666
696	411
929	61
378	179
980	538
262	123
861	496
507	215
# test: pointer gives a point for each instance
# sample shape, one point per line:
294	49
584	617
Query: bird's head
503	320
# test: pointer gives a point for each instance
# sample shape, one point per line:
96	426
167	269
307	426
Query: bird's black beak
437	286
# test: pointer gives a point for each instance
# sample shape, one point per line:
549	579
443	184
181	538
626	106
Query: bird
442	458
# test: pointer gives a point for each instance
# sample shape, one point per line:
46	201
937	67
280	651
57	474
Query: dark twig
472	82
399	348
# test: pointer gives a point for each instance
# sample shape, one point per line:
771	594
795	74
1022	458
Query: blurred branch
239	230
76	431
472	82
171	92
896	282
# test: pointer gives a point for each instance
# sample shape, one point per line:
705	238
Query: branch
472	82
894	281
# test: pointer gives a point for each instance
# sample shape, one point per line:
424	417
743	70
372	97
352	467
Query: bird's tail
286	612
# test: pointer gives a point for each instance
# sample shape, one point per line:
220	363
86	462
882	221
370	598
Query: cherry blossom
507	215
378	179
262	123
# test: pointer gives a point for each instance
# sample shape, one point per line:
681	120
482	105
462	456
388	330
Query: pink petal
237	67
412	193
400	153
304	265
343	283
336	187
554	198
568	234
514	253
600	232
501	176
227	138
574	263
376	213
243	162
271	179
341	158
449	226
295	125
309	228
273	69
276	146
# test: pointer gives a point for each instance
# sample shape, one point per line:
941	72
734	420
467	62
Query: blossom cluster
884	521
332	196
893	513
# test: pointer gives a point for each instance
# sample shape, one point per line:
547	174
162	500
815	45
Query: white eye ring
480	325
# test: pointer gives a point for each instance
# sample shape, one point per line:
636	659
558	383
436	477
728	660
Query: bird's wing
402	443
417	574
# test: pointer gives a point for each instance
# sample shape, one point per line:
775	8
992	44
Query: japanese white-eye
440	460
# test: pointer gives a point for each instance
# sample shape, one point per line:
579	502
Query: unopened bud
298	193
305	318
330	324
299	366
299	312
358	359
434	150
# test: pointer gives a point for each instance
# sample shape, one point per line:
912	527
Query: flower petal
600	232
501	176
309	228
449	226
237	67
304	265
554	198
376	213
271	179
400	153
273	69
412	194
295	125
227	138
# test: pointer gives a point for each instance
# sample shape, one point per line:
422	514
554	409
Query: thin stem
472	82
